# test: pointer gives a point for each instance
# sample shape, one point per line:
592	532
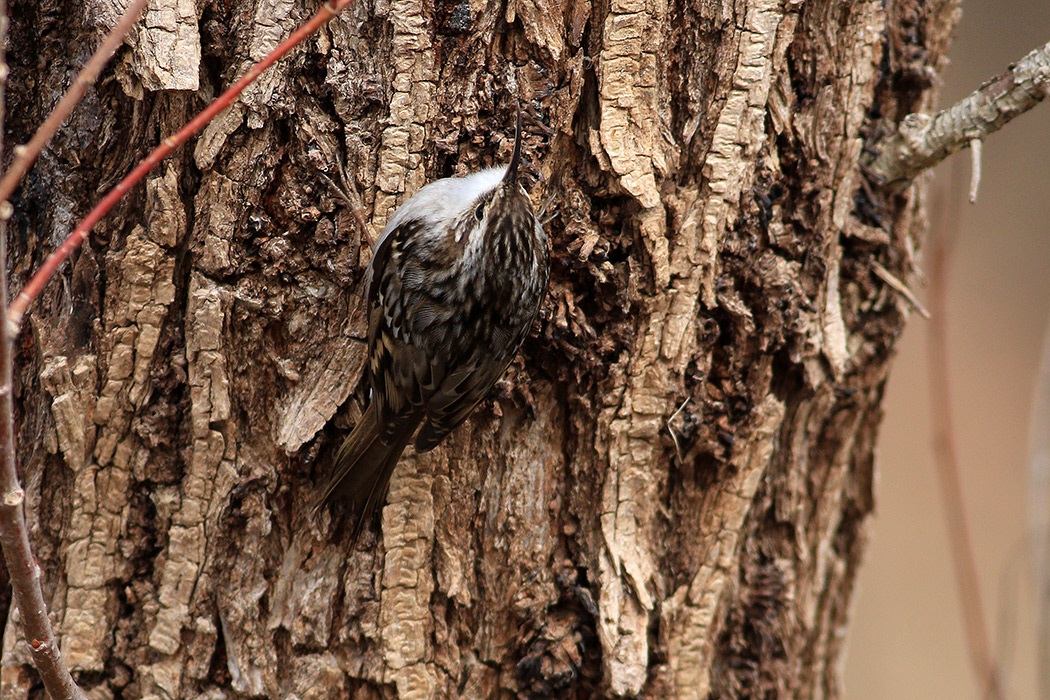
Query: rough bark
666	497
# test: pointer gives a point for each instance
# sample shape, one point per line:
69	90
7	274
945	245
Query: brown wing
466	384
458	395
396	368
462	388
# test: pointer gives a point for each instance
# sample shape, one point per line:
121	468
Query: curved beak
515	158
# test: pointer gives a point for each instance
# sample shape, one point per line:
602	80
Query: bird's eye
479	212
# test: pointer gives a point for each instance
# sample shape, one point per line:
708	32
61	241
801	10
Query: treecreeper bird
454	284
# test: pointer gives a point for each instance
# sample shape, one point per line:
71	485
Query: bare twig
14	538
975	169
348	193
17	309
24	156
886	276
922	141
671	430
981	658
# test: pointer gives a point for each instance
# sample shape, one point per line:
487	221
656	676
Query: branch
24	156
16	311
922	141
14	538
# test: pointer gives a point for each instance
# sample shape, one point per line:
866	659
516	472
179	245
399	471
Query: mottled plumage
454	284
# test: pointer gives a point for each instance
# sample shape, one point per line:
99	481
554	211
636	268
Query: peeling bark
668	494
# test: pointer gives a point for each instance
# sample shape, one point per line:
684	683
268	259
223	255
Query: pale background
906	639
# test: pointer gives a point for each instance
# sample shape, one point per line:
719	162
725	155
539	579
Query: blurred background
907	638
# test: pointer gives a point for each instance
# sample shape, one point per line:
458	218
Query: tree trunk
667	496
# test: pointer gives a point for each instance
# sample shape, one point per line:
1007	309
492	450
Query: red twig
981	658
22	568
24	156
17	309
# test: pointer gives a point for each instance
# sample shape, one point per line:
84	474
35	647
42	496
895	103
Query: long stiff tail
361	471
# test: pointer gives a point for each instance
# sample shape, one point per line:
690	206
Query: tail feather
361	471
